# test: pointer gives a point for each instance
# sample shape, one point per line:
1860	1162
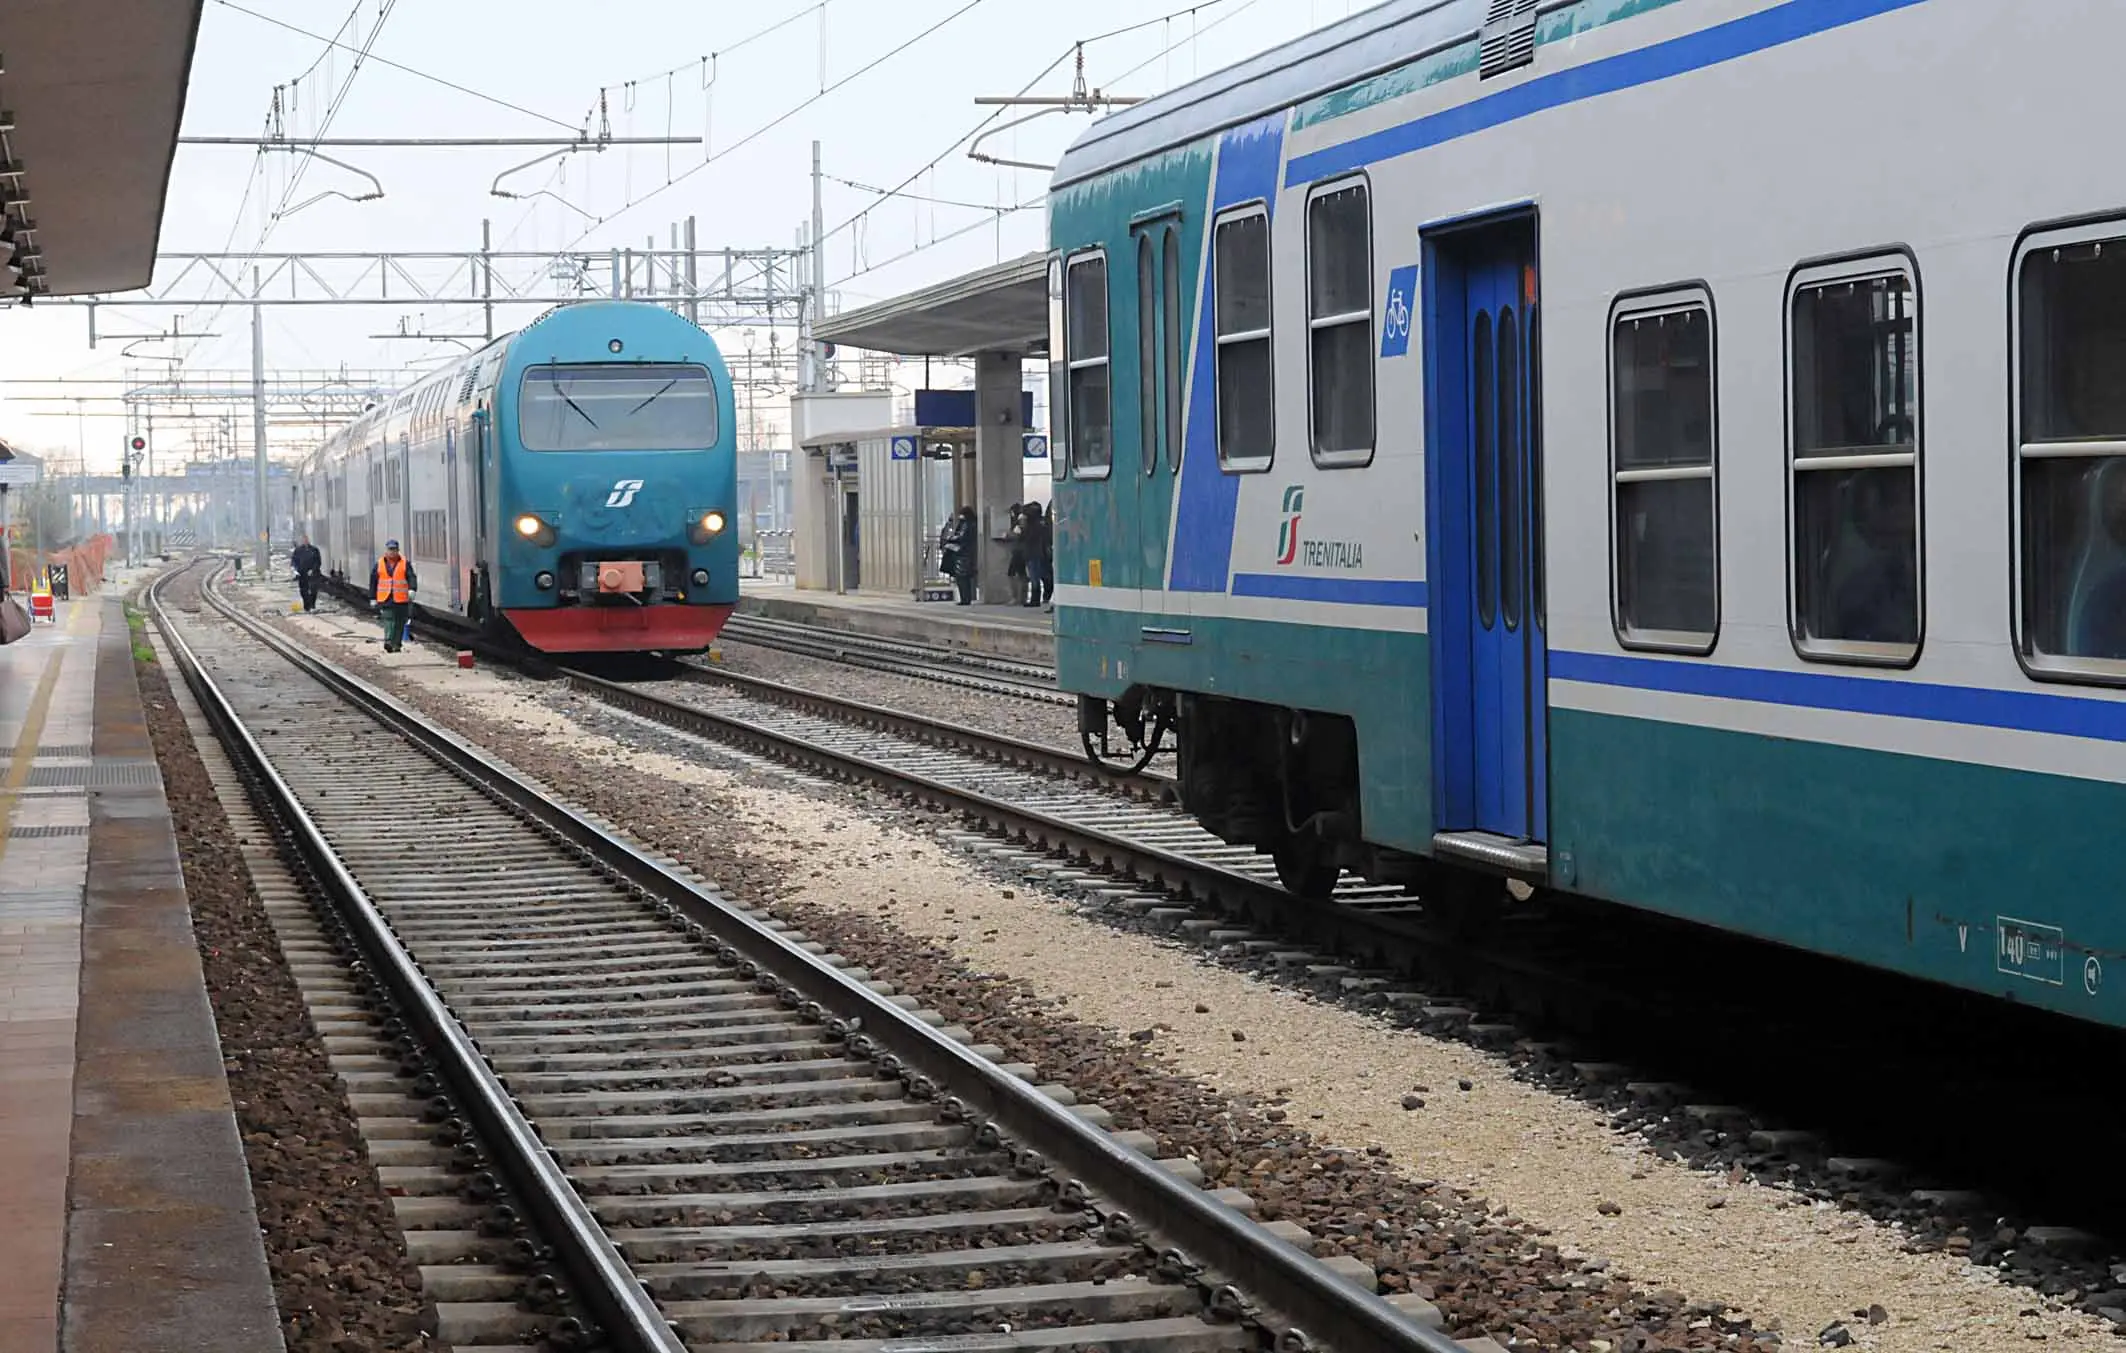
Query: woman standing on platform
956	546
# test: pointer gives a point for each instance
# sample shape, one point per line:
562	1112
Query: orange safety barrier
83	562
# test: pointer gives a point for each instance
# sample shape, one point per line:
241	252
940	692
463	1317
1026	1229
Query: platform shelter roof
95	90
1003	308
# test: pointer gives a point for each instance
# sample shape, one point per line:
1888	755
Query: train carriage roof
1366	44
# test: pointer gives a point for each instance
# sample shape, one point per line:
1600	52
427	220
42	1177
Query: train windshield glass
596	407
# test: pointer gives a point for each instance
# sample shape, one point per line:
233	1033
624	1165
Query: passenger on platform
308	565
957	543
394	585
1040	559
1016	534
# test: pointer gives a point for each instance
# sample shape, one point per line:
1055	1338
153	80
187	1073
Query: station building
870	491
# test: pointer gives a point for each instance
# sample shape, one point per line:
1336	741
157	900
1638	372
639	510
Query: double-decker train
572	484
1673	451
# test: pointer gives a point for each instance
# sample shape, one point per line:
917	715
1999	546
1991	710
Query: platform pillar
1000	465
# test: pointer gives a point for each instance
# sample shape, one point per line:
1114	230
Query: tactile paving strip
108	773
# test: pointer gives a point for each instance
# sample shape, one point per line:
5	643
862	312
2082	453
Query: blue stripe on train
1697	51
1973	706
1336	591
1205	503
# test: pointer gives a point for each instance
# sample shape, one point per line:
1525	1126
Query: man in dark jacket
308	565
1040	558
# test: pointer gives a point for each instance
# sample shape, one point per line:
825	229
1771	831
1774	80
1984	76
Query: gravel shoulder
341	1274
1522	1213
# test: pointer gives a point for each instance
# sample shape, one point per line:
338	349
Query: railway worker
1040	558
956	546
308	565
393	583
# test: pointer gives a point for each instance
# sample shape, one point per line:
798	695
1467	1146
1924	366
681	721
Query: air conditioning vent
1507	41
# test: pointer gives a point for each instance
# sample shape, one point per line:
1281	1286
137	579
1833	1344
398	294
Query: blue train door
1484	501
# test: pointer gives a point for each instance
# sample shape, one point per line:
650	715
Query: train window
1662	453
1092	451
1170	308
1148	359
1853	383
2071	453
1058	430
1247	423
595	406
1340	323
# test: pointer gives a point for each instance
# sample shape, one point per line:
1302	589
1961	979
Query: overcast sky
551	59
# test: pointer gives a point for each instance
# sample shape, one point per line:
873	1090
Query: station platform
126	1217
1019	632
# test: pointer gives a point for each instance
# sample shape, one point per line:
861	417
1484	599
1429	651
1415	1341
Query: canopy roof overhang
999	309
94	90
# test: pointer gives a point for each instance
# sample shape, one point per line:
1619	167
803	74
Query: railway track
1662	997
1657	1014
661	1121
926	662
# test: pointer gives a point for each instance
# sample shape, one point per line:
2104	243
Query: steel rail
922	728
1320	1305
594	1265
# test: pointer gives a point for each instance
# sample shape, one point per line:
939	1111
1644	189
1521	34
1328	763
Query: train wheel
1304	869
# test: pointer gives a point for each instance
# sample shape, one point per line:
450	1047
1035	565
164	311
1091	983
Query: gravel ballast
1517	1210
1051	725
341	1274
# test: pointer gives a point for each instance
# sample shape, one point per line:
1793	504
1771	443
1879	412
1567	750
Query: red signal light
139	443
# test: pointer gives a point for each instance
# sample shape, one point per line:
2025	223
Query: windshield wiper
653	398
573	404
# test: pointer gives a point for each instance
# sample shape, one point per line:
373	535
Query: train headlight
712	522
529	526
707	526
701	577
545	581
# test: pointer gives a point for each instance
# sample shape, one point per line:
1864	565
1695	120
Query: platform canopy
999	309
95	90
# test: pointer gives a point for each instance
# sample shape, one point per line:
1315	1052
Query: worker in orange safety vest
393	584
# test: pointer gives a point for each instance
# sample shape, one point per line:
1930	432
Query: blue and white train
573	484
1669	450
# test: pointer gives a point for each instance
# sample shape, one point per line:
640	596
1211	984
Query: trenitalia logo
1288	531
1293	548
623	494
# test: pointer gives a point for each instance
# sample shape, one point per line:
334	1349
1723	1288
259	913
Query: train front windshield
598	407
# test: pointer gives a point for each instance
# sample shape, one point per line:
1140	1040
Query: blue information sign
1399	313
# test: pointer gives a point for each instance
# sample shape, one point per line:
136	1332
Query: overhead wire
779	119
1001	211
400	66
1074	48
332	109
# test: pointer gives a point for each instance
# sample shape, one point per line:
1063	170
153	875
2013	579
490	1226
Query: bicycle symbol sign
1398	317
